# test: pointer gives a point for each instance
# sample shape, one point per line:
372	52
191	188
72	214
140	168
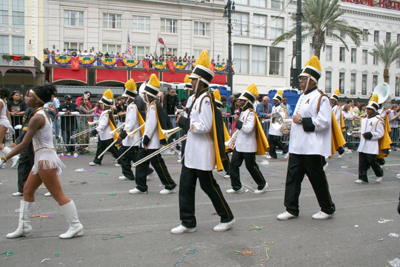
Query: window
342	35
375	59
169	25
259	3
74	46
276	27
241	2
341	82
141	24
353	84
73	18
341	54
241	21
376	36
354	55
4	44
365	57
397	87
259	60
202	28
388	37
241	61
276	4
259	26
171	52
374	81
329	32
365	35
328	81
4	12
18	12
197	53
111	21
364	84
275	61
140	51
111	48
18	45
328	53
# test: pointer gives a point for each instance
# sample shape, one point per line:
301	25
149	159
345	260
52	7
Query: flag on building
161	41
129	48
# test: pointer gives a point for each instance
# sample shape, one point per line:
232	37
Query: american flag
129	48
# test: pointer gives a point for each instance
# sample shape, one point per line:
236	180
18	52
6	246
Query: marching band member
337	111
250	141
153	138
371	130
274	137
133	120
310	142
107	124
204	147
47	166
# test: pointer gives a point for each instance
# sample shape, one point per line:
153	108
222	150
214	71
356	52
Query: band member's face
194	83
332	102
276	102
241	102
370	111
101	106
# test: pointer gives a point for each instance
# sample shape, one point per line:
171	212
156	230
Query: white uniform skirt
6	123
48	160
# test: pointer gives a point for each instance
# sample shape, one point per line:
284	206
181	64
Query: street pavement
134	230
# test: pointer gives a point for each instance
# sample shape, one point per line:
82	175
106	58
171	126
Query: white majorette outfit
250	140
106	124
310	142
4	121
337	111
45	155
153	139
274	136
371	130
133	121
204	149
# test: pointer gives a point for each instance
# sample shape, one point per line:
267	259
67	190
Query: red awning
219	79
176	77
60	74
110	75
142	76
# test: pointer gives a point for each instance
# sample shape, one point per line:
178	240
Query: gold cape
262	142
160	133
337	135
342	122
113	124
385	140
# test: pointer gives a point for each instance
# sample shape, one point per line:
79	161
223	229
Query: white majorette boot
24	225
14	159
71	214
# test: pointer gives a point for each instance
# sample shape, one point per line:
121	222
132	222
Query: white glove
18	127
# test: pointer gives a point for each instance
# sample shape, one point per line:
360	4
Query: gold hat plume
217	95
203	59
187	80
252	89
337	92
374	98
154	81
108	94
280	93
314	62
130	85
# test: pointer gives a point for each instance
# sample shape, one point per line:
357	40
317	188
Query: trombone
116	140
231	141
91	125
131	136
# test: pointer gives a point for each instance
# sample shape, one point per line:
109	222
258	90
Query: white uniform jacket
131	123
200	149
337	111
188	105
313	136
104	127
277	109
151	128
246	139
376	127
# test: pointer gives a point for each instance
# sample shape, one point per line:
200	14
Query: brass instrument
281	124
115	141
353	131
117	129
383	92
168	133
91	125
231	141
132	136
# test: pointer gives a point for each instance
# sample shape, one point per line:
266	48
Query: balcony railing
31	62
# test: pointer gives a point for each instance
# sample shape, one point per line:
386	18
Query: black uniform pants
275	141
187	190
101	146
159	165
312	166
227	164
126	159
340	150
251	166
365	161
26	161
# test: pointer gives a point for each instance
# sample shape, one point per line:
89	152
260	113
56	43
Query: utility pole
297	71
229	8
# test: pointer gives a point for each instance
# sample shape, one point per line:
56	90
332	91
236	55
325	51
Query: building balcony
18	61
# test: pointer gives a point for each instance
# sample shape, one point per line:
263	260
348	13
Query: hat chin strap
197	85
308	80
146	98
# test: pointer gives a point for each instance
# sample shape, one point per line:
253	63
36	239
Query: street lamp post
229	8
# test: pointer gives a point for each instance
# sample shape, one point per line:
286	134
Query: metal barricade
395	135
16	120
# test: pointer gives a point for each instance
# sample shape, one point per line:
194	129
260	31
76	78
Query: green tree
321	19
387	53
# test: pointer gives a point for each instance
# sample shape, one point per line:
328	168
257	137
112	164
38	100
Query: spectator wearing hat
68	112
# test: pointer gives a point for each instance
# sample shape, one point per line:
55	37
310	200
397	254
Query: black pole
230	73
298	45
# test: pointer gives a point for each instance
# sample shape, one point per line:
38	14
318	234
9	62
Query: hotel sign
395	5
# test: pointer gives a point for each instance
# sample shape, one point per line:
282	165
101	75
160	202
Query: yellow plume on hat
252	89
374	98
187	80
337	92
130	85
217	95
314	62
203	59
154	81
108	94
279	93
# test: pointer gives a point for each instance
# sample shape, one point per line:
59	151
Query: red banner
212	68
171	66
219	79
177	77
142	76
74	63
110	75
60	74
145	64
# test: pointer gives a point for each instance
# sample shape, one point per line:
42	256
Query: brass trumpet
353	131
91	125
